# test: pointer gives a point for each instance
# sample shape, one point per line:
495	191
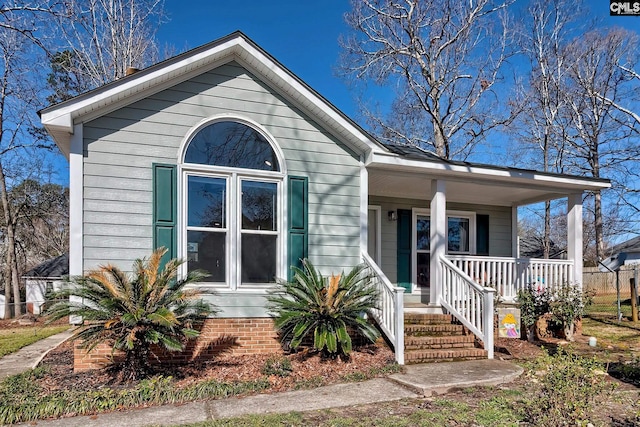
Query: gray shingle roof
54	267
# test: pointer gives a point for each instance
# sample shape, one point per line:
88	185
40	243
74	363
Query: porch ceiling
472	188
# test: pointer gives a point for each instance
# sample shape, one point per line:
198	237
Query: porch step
436	330
436	343
437	337
443	355
427	318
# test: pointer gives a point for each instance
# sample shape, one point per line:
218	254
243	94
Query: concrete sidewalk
416	381
28	357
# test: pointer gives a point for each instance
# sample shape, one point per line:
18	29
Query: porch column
438	244
515	242
574	236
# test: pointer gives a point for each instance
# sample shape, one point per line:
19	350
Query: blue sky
302	35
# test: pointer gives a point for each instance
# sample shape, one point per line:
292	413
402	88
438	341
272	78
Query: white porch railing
509	275
390	311
468	302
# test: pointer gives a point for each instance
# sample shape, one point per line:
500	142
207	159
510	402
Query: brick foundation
231	336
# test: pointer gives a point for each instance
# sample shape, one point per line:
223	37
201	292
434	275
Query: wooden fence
602	286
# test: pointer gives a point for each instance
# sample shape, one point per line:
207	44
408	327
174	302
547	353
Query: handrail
468	302
390	311
509	275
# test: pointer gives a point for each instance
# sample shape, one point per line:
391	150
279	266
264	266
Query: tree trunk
13	281
597	207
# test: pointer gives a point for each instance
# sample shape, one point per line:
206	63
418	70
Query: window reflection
259	205
231	144
206	198
458	234
423	233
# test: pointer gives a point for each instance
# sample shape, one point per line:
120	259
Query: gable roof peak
59	119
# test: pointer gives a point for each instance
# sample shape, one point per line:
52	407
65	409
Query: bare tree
442	59
103	38
542	39
19	97
604	142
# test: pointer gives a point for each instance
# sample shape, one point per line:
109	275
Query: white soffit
59	119
531	185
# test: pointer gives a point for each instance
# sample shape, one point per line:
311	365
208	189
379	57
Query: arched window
232	181
231	144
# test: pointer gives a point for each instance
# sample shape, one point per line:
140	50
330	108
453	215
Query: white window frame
185	228
238	233
234	176
471	215
377	257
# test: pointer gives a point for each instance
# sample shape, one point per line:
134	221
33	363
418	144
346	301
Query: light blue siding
120	147
499	227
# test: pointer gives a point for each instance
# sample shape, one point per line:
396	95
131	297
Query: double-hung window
232	187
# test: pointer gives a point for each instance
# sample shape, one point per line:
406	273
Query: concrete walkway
416	381
28	357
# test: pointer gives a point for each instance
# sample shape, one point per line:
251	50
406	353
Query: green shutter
165	208
404	249
298	239
482	234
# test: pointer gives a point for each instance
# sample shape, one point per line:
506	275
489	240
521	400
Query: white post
438	236
76	190
487	321
399	310
574	237
515	247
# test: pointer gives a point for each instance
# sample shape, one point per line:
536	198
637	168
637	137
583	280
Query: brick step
427	318
433	330
443	355
436	343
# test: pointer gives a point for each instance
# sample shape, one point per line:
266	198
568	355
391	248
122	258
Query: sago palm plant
327	308
133	312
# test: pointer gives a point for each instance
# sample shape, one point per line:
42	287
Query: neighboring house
44	278
533	247
231	161
625	253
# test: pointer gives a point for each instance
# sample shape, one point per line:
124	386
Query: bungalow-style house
46	277
224	156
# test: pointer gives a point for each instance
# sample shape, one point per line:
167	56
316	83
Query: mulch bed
308	368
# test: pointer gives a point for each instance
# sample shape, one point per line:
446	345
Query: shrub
311	305
566	389
132	313
567	305
280	366
532	304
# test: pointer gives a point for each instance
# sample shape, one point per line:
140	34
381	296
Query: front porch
445	234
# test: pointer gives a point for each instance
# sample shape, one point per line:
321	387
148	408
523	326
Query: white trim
233	178
76	192
59	119
511	178
438	238
515	240
364	207
377	257
471	216
415	212
574	237
238	118
238	232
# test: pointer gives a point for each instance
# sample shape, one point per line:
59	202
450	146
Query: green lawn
12	340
